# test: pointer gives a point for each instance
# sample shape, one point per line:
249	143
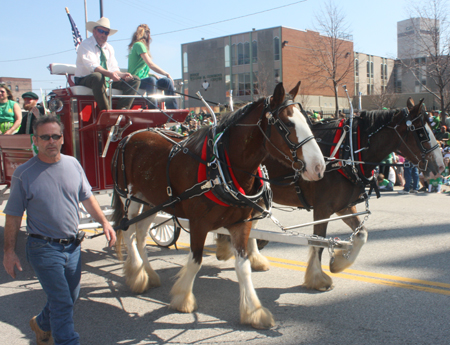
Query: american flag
75	33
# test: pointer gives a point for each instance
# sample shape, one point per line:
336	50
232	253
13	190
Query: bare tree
263	81
429	60
330	58
384	98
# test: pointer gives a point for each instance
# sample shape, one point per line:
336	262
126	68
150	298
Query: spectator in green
434	121
10	112
384	184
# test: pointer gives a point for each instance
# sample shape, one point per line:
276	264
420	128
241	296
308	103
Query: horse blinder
283	130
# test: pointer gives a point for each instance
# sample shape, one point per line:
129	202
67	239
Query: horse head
418	143
295	140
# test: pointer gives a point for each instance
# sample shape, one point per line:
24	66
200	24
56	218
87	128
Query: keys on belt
64	241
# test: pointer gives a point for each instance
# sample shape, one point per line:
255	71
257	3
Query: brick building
252	63
18	86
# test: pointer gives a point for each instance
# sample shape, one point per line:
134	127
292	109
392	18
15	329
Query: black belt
64	241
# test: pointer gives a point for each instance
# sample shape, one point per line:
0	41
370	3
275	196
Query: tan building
373	74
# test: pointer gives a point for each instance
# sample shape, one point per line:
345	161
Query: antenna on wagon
210	110
350	124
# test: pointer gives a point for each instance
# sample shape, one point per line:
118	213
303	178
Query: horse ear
295	90
410	103
278	96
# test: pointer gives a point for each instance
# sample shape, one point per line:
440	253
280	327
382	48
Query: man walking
49	187
96	64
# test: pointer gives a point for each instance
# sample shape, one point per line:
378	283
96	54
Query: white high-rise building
417	37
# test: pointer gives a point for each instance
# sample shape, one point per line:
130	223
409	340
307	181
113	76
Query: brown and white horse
379	133
273	126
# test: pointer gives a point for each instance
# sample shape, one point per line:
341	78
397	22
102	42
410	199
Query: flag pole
85	17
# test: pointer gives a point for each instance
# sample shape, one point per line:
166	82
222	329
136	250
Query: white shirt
88	57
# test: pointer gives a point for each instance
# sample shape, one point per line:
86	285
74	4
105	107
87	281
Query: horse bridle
420	135
273	119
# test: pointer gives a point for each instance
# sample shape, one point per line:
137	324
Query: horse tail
117	217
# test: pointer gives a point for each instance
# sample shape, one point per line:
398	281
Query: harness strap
196	190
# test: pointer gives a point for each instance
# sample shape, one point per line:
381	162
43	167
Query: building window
240	53
357	89
385	71
368	89
356	67
17	87
185	62
227	82
368	69
17	100
241	84
371	69
254	51
246	53
276	48
227	55
233	55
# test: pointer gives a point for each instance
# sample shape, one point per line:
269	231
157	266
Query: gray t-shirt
50	193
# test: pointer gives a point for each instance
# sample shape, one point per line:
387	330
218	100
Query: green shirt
7	112
136	64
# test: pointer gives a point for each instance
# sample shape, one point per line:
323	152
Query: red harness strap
201	176
337	136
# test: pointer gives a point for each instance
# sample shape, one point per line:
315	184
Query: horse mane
374	120
197	138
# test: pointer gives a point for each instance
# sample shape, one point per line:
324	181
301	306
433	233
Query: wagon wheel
166	233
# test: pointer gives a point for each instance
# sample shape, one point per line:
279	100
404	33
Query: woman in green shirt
10	113
140	63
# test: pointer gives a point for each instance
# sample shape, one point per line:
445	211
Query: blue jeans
150	85
411	175
58	268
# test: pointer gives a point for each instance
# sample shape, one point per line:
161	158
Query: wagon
92	136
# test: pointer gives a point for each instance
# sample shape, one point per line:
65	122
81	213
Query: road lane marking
350	274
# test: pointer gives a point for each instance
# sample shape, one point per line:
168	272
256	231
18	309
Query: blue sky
37	33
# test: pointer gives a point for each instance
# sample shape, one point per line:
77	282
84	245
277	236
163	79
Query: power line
174	31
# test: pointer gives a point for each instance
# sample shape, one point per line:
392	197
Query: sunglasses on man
46	137
101	31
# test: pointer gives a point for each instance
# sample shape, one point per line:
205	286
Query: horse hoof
320	282
223	251
325	288
339	262
261	318
259	263
184	303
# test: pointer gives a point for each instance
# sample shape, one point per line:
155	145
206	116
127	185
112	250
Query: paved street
397	292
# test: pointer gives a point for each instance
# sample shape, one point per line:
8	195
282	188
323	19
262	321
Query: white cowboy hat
104	22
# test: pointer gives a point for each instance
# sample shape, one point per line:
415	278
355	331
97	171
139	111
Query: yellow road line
368	277
363	276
